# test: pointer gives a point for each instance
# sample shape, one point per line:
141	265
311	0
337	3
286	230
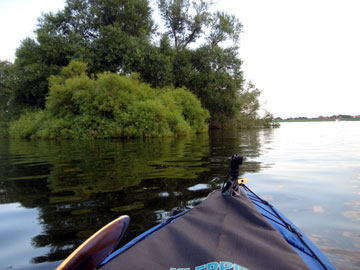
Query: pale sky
304	55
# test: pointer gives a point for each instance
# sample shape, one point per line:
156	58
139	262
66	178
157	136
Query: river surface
53	195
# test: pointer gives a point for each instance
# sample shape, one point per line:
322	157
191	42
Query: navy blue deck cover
222	233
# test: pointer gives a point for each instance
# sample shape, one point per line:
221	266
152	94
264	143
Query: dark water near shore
53	195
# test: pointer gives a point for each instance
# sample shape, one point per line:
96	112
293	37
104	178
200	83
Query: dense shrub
110	106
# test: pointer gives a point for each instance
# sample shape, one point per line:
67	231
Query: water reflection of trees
78	187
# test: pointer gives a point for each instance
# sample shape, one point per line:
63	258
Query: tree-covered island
103	69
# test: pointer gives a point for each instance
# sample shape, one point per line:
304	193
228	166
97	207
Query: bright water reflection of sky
16	238
303	55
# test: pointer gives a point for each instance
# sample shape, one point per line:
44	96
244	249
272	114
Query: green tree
5	88
6	78
103	33
100	32
185	22
31	71
250	101
211	70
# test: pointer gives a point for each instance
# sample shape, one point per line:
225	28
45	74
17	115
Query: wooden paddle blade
97	247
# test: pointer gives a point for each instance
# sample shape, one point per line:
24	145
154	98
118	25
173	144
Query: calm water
53	195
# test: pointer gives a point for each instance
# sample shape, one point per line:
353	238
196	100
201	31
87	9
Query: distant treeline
197	51
344	117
